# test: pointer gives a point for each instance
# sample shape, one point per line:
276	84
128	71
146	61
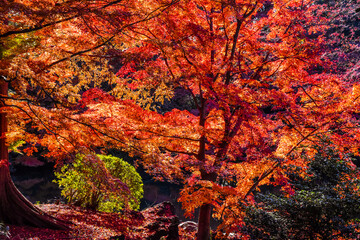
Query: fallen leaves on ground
94	225
86	224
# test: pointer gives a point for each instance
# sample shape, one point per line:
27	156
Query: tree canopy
258	95
253	71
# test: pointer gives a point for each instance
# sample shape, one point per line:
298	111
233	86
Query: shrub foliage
104	183
325	203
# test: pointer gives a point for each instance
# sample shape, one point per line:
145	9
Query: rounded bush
99	182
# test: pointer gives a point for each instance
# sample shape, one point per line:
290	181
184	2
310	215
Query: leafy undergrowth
85	225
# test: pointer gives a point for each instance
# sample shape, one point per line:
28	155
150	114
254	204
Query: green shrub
104	183
325	203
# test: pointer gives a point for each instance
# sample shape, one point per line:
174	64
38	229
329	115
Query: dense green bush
325	204
104	183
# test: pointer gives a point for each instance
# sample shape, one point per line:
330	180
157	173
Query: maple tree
39	43
256	98
248	69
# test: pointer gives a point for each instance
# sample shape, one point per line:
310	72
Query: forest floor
84	224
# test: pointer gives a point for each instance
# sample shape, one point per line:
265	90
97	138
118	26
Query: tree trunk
205	212
14	207
204	222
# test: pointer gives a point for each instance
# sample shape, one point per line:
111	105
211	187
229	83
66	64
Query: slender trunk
203	232
3	127
205	211
14	207
204	222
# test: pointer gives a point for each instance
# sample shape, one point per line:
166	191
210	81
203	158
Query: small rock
161	222
189	226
